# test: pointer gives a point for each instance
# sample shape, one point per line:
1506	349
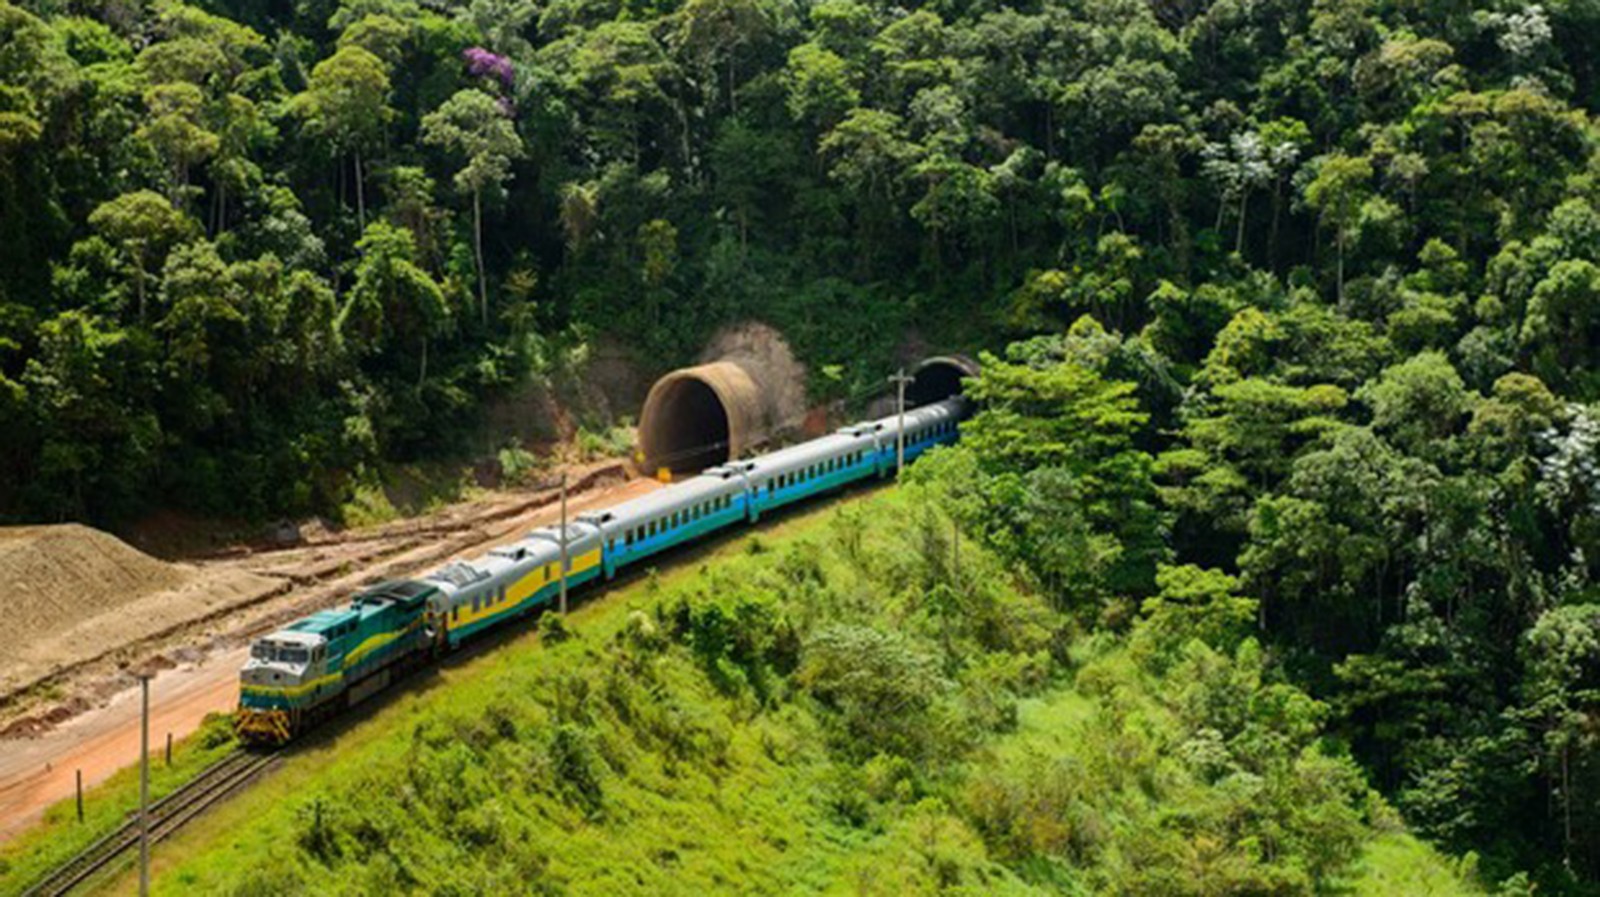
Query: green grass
650	754
59	835
695	830
1397	864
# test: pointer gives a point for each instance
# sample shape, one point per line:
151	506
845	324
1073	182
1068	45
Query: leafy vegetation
1300	295
1402	546
28	857
797	714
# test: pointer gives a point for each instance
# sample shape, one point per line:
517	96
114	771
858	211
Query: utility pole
900	380
144	783
563	543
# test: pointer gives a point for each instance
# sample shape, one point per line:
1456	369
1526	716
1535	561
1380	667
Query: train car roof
405	592
666	499
801	454
321	621
941	410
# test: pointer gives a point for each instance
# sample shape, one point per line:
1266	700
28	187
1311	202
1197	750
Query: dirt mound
56	574
70	594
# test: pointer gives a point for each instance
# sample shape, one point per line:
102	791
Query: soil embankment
70	594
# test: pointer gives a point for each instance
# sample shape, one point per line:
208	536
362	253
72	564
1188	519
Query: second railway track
167	815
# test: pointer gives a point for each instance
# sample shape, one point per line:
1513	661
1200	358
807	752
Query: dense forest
1302	297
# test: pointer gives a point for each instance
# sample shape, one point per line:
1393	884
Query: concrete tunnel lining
699	417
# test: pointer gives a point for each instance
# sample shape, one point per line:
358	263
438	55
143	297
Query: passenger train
335	658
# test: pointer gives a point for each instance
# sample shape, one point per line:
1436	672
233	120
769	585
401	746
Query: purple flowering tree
482	63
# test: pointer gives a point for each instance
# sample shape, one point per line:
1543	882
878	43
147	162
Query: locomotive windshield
273	652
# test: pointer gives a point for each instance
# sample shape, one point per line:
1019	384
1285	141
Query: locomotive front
280	678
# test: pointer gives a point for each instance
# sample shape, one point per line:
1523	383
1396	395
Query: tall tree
143	224
473	125
345	103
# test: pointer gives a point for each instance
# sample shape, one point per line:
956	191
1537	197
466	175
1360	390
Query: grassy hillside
841	703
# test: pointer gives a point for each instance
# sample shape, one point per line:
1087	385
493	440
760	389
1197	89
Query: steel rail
167	815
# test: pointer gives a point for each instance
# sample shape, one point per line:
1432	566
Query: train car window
455	613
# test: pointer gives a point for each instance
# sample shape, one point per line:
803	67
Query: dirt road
36	773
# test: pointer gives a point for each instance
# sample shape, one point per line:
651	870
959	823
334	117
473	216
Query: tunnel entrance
706	415
937	379
690	428
699	417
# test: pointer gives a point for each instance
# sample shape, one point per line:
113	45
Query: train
321	664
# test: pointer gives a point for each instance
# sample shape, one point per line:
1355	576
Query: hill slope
770	717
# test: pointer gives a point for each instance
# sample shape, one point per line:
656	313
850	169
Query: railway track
167	815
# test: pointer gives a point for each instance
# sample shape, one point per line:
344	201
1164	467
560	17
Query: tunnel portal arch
702	416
